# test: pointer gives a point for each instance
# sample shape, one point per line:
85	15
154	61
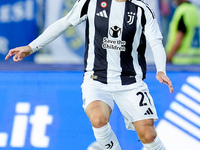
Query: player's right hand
19	53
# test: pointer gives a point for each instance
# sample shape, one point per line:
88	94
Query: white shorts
134	101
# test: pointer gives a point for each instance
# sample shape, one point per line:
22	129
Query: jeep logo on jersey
115	31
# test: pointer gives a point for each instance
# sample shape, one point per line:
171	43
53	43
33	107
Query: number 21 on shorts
142	103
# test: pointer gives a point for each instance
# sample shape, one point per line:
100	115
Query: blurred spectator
165	12
183	45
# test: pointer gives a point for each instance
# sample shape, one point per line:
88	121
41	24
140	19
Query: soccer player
117	32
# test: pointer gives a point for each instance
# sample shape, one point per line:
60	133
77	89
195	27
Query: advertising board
43	110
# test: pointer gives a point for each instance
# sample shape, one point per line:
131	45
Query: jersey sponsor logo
102	14
115	31
103	4
113	44
131	16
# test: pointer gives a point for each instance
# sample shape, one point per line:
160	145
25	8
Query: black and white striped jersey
116	37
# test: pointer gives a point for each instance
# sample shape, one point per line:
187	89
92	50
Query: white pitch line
195	81
191	92
185	113
183	124
188	102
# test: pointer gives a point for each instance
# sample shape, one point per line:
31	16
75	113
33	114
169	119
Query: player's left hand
162	78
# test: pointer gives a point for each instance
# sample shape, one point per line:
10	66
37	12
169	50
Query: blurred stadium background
40	97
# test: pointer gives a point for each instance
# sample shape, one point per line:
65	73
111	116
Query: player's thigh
136	104
96	91
98	111
97	102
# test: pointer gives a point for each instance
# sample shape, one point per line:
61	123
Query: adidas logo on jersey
102	14
148	112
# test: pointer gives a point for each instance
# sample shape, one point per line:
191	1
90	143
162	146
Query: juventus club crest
131	16
115	31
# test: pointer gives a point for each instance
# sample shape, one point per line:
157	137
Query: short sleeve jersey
116	38
181	25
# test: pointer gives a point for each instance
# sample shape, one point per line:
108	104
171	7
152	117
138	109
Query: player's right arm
19	53
51	33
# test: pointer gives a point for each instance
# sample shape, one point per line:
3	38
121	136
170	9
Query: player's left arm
160	62
154	39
